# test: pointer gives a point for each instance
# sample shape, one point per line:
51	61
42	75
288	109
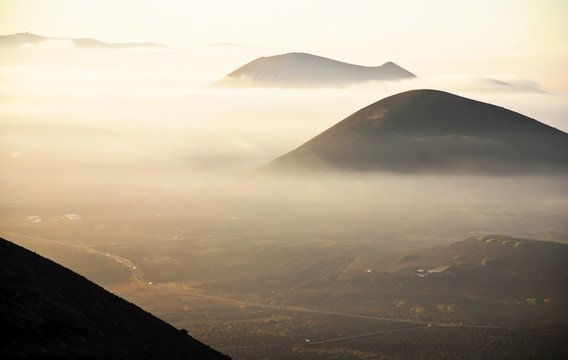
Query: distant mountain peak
299	69
21	39
431	131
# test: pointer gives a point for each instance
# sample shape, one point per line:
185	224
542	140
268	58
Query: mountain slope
495	267
306	70
429	131
49	311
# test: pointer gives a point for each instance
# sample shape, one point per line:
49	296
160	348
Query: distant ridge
20	39
306	70
429	131
50	312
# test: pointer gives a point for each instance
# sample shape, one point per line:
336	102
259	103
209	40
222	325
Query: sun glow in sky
497	36
443	42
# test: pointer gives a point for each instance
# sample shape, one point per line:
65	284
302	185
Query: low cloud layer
164	104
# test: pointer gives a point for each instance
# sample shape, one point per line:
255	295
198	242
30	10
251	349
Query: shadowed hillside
494	267
51	312
429	131
306	70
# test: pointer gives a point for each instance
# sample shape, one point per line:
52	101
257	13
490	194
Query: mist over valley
186	199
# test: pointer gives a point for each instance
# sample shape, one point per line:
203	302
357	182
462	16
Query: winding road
336	313
138	275
135	270
323	341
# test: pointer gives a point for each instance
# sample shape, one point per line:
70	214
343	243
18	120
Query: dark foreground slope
48	311
306	70
429	131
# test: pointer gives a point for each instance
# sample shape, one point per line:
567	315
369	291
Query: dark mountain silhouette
48	311
429	131
306	70
19	39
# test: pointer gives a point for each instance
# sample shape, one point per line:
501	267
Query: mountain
51	312
490	279
430	131
496	267
20	39
306	70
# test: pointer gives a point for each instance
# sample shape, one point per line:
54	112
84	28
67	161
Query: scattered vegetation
407	258
487	261
324	271
524	244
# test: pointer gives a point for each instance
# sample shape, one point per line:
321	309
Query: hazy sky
489	36
468	48
404	27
